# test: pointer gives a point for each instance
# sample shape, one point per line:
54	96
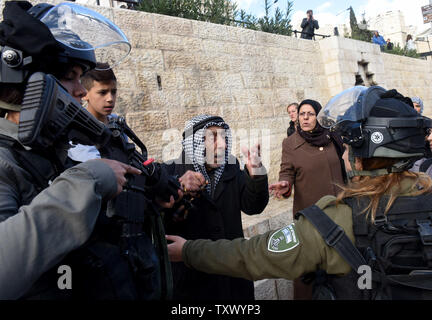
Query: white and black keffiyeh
194	148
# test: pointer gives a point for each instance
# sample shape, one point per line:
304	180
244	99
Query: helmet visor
342	107
83	29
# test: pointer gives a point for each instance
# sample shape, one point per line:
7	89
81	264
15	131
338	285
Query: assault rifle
49	115
137	202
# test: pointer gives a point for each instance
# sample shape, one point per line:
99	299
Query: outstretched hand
175	248
279	189
253	163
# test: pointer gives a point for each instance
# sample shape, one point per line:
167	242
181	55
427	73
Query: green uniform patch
284	239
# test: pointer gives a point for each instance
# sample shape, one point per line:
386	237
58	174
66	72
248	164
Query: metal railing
313	35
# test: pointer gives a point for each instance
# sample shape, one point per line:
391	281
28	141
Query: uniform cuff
184	253
106	181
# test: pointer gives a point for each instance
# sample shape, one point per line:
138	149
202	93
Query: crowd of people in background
379	40
388	45
310	24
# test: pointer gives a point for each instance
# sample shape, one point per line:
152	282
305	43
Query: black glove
164	185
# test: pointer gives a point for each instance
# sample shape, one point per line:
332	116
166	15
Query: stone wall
248	77
245	76
180	68
343	59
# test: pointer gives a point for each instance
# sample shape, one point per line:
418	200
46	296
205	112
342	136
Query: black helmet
85	58
375	122
46	37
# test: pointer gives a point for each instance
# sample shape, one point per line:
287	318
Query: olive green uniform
285	253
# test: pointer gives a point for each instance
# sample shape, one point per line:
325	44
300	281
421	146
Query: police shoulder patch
284	239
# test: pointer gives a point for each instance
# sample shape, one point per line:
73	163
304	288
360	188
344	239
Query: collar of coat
10	129
298	140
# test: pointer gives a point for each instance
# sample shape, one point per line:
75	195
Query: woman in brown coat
312	163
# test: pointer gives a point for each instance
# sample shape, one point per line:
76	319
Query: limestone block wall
344	58
246	77
180	68
412	77
341	58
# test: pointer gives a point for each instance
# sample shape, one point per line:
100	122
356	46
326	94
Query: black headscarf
319	136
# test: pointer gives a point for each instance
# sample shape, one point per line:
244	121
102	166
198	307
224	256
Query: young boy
101	86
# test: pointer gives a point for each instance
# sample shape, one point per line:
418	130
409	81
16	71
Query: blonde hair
376	187
292	104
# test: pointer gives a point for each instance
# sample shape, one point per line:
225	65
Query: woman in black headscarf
311	130
312	163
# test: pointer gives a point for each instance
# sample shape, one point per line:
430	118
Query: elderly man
220	191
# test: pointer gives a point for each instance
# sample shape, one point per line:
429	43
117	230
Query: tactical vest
120	261
41	169
397	247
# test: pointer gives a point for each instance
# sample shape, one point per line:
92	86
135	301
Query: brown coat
313	172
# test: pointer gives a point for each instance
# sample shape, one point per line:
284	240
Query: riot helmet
376	122
37	44
46	38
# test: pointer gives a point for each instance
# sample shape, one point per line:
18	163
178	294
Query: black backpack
397	249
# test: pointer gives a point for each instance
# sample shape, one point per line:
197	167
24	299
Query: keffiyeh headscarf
419	102
194	146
